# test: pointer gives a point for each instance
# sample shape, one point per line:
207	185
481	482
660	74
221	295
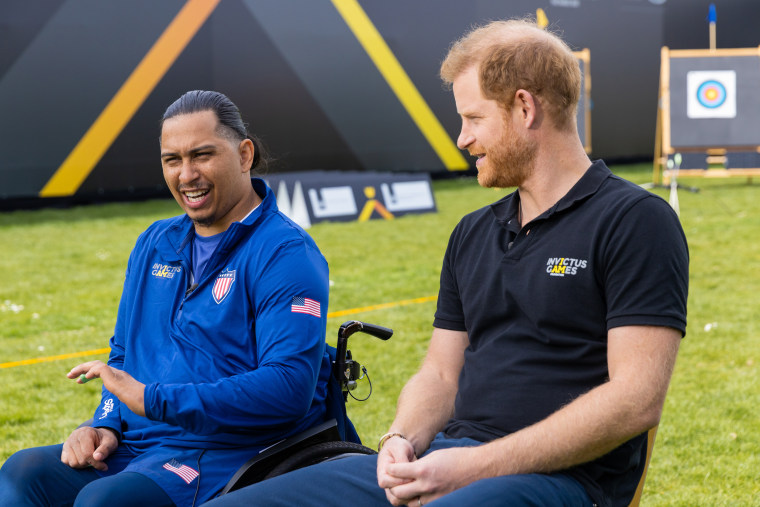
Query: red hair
516	54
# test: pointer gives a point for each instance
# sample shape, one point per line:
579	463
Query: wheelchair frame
319	443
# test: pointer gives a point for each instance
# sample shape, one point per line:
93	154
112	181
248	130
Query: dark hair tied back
228	114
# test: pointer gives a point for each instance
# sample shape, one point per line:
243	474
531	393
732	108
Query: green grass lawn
62	272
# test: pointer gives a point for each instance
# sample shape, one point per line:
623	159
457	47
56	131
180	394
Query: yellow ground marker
382	56
382	306
112	120
95	352
38	360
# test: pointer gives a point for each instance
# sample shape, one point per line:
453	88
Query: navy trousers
353	481
37	477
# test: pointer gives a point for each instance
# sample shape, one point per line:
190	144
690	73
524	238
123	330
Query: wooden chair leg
640	488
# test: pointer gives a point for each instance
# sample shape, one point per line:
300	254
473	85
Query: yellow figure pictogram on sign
373	204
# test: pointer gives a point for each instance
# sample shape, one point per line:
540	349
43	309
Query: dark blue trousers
37	477
353	481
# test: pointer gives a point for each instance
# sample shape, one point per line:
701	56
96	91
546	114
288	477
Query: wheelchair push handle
345	369
353	326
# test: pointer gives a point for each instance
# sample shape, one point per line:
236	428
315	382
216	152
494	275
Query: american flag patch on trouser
305	305
185	472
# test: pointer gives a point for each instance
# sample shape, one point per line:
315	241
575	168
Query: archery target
711	94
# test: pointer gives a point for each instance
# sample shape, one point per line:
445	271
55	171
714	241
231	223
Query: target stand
709	113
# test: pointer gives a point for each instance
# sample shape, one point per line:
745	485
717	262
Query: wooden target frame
709	147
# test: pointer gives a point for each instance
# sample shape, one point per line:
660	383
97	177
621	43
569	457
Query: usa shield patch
222	285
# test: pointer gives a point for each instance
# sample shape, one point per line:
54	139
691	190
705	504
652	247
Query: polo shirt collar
506	208
585	187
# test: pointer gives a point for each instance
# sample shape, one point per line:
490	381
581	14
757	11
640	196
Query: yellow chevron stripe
339	313
382	56
112	120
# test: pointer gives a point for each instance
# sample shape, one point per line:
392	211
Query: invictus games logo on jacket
561	266
222	285
164	270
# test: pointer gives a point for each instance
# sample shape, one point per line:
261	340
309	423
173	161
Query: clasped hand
411	481
89	447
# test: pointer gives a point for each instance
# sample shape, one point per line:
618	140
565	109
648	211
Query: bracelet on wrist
387	436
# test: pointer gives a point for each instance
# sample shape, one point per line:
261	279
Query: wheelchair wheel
318	453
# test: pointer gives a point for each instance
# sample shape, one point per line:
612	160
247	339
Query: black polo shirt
537	303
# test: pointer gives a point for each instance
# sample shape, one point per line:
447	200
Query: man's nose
465	139
187	172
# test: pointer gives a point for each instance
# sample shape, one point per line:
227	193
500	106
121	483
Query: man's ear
528	108
246	149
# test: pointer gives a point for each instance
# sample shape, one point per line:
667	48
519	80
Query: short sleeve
449	313
646	268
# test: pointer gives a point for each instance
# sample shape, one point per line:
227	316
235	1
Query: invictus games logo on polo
164	271
561	266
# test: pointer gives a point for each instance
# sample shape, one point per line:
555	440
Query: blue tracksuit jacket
230	367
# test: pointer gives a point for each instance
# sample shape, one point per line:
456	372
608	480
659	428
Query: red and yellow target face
711	93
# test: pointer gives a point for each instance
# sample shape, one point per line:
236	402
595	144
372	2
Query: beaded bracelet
386	437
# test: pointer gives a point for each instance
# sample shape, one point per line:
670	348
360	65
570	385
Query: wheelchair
334	439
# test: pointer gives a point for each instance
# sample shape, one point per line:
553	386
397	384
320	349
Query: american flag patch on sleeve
305	305
185	472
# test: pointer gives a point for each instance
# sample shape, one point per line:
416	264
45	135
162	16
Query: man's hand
395	450
431	391
121	384
438	473
89	447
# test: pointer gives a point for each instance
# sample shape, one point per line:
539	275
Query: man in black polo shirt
560	312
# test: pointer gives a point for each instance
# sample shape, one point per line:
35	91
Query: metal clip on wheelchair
345	369
322	442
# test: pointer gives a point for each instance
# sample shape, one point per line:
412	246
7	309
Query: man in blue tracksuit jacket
219	346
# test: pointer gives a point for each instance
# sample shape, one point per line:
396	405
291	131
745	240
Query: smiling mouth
195	196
